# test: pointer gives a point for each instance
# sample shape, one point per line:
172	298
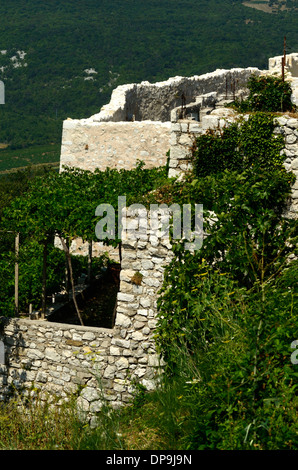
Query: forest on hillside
62	59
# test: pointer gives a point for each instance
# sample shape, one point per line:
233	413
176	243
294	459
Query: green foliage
228	313
201	313
26	158
239	147
61	204
231	347
267	94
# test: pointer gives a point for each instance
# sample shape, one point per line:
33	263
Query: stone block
122	320
291	139
110	371
125	297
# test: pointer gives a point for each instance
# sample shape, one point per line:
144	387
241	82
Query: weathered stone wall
290	71
288	126
60	359
291	64
135	125
155	101
90	145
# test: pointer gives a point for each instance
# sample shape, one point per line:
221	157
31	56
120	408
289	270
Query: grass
164	419
11	160
153	422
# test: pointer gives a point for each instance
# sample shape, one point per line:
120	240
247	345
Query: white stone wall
90	145
288	126
135	125
291	64
290	70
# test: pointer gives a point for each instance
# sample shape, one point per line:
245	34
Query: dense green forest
62	59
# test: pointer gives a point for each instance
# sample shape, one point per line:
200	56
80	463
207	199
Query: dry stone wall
288	126
98	364
155	101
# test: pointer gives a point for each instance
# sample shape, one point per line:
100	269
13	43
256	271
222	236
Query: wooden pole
16	287
44	279
68	257
90	262
283	60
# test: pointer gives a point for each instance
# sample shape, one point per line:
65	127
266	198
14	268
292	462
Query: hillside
62	59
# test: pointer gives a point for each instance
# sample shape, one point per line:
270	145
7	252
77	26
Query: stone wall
155	101
90	145
59	359
135	125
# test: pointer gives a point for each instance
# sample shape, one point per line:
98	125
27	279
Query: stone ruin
141	122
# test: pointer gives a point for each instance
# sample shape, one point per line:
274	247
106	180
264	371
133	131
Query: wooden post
283	61
16	287
90	262
44	280
68	257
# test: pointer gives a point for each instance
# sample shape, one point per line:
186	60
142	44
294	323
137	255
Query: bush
268	94
239	147
227	314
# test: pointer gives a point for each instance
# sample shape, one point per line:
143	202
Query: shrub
240	146
267	93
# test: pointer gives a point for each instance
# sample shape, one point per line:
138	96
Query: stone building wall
59	359
135	125
288	126
90	145
290	71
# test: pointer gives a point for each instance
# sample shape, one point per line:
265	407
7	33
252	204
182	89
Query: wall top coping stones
54	325
72	123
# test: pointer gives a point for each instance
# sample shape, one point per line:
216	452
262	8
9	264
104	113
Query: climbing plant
245	144
226	313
